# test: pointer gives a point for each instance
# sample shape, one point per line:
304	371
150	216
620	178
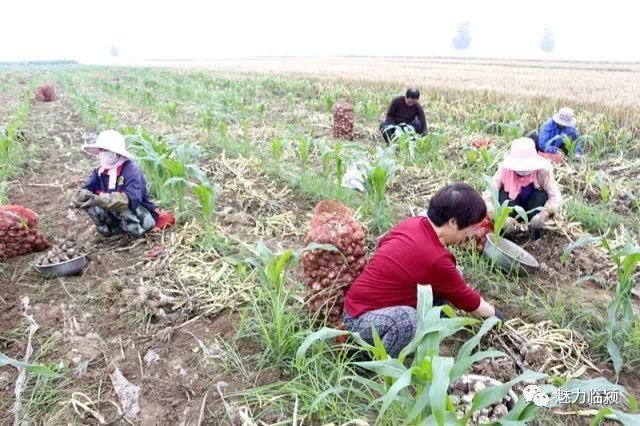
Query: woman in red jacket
385	295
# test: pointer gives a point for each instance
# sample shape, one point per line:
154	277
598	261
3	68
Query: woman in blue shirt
556	130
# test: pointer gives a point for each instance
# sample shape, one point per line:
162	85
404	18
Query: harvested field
207	317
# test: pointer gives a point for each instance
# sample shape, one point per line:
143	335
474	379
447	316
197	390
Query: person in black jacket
404	111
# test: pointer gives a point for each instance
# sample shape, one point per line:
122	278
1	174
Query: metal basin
510	257
64	269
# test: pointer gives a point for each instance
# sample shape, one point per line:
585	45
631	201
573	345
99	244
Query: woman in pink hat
526	180
115	196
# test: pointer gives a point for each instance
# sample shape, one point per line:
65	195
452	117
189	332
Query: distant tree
548	43
115	51
462	40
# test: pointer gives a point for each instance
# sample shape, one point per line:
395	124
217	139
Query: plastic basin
509	256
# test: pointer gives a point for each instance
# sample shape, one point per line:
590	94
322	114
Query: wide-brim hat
109	140
565	117
523	157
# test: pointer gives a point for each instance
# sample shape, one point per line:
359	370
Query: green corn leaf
474	341
389	367
391	396
521	213
438	391
420	405
522	412
375	386
39	370
333	390
493	394
601	415
324	333
616	355
463	364
627	419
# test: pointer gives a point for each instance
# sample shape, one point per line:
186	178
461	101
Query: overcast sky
141	29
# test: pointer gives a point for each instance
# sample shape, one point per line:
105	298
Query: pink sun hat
523	157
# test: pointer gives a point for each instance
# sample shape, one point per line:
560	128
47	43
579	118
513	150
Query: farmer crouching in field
385	295
115	196
555	131
526	180
404	111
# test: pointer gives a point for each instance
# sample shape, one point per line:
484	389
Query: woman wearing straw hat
115	196
555	130
526	180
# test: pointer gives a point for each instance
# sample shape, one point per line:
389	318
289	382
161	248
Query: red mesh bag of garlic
328	274
18	232
343	120
46	93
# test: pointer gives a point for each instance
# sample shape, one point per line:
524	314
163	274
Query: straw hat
523	157
565	117
109	140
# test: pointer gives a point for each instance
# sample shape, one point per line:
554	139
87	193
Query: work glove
82	196
539	220
551	150
116	202
500	315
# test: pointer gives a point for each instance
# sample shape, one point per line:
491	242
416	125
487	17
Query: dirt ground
87	320
94	326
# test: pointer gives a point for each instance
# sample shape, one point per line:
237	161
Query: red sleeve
447	283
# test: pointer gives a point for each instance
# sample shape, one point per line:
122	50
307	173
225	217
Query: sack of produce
328	274
343	119
46	93
18	232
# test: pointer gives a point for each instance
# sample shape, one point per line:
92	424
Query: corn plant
486	157
377	178
502	211
334	155
206	194
305	146
278	319
166	167
206	121
369	109
171	109
620	310
430	149
419	393
572	145
277	149
223	129
406	144
276	322
329	101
